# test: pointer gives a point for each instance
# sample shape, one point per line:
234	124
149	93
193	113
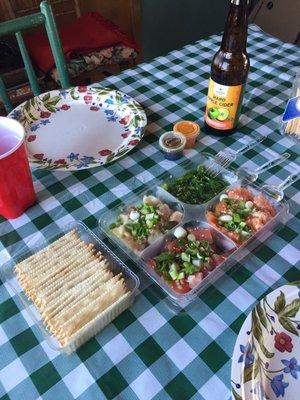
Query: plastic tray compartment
223	243
110	216
7	274
188	166
281	208
196	215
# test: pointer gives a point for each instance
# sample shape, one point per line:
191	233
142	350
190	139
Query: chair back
44	17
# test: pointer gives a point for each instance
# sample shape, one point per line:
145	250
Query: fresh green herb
239	213
176	266
196	187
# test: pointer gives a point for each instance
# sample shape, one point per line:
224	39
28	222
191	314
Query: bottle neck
235	32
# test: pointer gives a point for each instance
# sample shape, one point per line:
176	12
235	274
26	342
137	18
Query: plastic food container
188	166
111	216
196	216
190	130
172	145
116	265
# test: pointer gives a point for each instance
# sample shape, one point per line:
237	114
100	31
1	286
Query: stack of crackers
71	285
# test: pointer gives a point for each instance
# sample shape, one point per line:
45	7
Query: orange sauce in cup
190	130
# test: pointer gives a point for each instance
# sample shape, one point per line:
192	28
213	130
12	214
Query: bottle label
223	105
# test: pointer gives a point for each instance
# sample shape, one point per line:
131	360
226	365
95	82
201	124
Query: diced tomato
216	260
214	248
173	246
201	234
151	263
194	280
181	287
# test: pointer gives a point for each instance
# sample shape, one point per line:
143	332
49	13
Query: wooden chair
44	17
65	12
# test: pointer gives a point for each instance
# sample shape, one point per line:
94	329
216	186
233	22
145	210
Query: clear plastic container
197	215
221	241
110	216
132	282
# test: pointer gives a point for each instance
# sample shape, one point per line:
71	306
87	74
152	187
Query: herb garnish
179	265
196	187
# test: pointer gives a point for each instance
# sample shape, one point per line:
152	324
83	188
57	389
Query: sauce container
172	145
190	130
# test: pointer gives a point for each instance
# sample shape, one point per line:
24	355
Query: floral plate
81	127
266	357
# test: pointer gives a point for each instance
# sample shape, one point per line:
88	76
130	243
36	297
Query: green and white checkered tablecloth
150	352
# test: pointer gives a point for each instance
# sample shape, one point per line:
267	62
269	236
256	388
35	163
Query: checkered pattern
150	352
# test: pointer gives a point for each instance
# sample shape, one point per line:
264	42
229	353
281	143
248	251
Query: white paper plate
80	127
266	357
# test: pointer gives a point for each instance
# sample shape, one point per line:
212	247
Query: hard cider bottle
229	71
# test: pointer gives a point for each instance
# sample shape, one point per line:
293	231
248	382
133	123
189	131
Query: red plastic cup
16	186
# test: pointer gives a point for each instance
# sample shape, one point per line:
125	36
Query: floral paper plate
266	357
81	127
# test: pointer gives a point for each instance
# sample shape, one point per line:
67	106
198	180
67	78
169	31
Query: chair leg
4	97
55	44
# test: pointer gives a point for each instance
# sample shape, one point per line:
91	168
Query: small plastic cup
172	145
16	186
190	130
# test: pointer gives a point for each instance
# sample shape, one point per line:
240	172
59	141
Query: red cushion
89	32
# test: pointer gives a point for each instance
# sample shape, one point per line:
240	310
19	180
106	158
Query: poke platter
185	241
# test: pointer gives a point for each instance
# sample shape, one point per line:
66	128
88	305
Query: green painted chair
45	17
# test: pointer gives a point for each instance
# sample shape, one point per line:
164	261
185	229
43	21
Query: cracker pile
70	284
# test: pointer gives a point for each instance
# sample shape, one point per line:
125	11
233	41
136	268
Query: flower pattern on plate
117	107
272	331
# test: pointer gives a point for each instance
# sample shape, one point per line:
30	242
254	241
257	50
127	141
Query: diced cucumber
185	257
173	271
197	262
149	217
191	237
180	275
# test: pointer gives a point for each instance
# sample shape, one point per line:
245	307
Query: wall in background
170	24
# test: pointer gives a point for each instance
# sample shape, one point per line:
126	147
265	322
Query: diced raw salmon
221	208
258	220
211	218
263	204
240	194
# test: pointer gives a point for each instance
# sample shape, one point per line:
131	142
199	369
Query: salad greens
196	187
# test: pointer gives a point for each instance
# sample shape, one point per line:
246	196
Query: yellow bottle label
223	105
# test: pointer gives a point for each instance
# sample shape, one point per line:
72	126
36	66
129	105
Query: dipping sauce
172	145
190	130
